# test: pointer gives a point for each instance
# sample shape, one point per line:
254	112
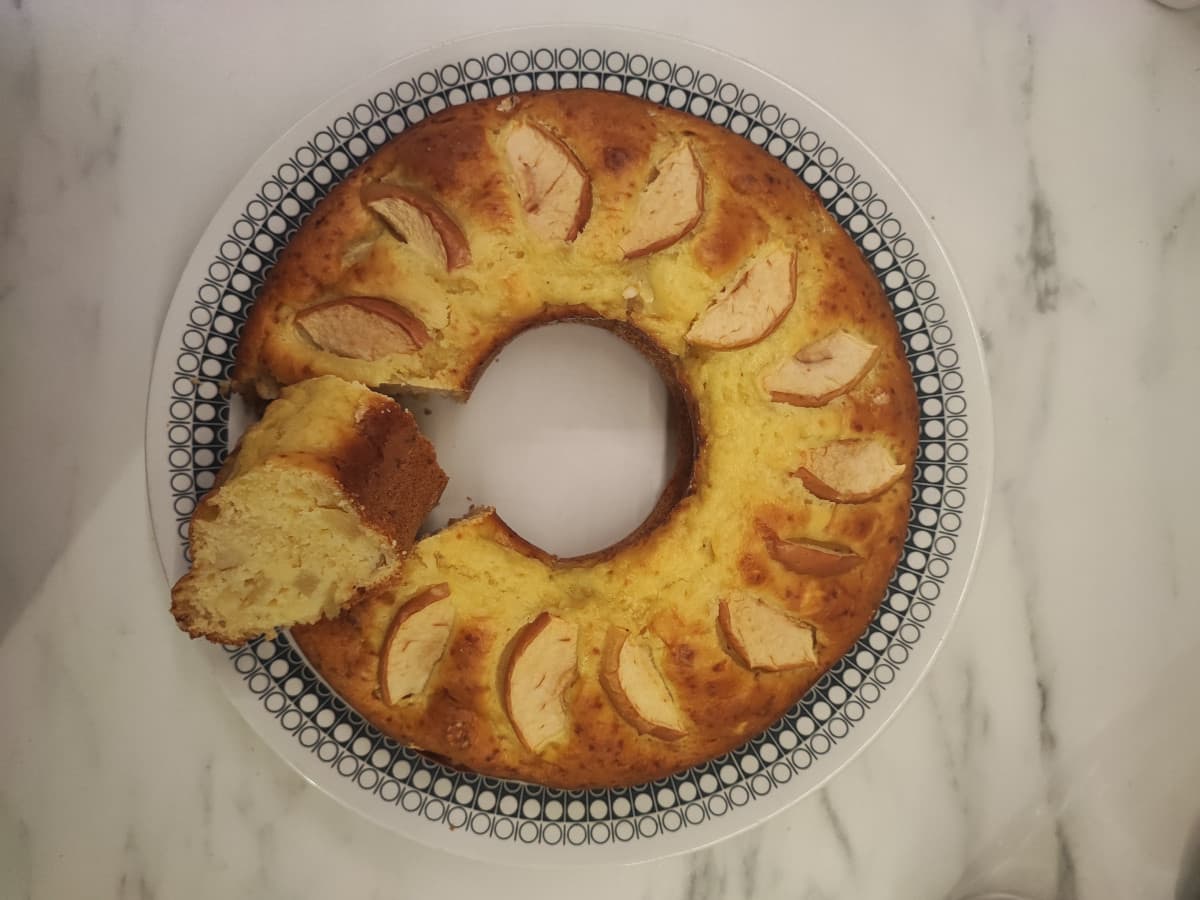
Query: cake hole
568	435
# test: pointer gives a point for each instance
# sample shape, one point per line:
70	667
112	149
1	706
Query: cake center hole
566	434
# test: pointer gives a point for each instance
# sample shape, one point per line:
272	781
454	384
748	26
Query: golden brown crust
380	472
738	447
457	157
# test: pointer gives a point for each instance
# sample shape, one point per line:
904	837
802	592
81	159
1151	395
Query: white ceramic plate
188	432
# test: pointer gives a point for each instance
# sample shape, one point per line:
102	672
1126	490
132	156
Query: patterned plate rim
294	711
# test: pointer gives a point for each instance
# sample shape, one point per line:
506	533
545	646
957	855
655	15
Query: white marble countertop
1055	746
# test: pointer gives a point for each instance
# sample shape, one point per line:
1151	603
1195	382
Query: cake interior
257	574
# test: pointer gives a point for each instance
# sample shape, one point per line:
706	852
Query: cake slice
315	508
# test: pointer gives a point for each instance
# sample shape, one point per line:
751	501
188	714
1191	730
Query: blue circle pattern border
274	670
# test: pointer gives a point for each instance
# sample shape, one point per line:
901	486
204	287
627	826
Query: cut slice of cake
315	508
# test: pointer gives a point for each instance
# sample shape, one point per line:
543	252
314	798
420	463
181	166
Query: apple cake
315	508
772	548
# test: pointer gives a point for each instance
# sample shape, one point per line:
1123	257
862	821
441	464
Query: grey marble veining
1056	147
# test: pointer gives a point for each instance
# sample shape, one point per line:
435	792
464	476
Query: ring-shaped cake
793	403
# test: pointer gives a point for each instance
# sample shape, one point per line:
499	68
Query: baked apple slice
762	637
670	205
637	689
555	191
415	642
808	557
419	222
751	307
851	471
821	371
362	327
541	666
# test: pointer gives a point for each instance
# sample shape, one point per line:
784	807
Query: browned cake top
683	642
